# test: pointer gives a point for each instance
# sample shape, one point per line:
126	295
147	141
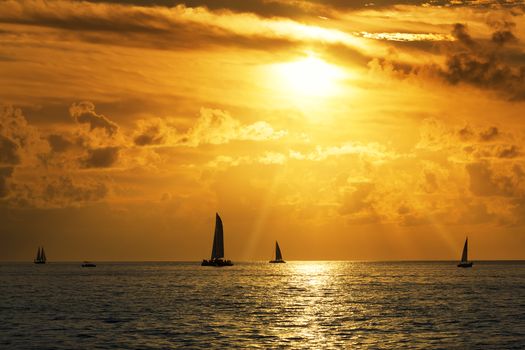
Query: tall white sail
464	256
217	251
278	255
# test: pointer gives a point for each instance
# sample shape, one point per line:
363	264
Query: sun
310	76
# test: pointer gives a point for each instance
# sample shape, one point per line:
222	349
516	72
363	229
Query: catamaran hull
216	263
277	262
465	264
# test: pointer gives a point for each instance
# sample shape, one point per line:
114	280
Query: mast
217	251
38	254
464	257
43	256
278	255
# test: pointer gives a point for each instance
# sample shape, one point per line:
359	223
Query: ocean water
299	305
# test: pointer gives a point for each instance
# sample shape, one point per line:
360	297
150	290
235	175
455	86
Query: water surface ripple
260	305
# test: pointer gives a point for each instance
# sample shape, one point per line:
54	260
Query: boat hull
39	262
216	263
277	262
465	264
89	265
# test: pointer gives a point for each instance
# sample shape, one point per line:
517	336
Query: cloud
373	151
152	132
470	142
357	199
20	143
490	134
56	192
84	113
212	127
169	27
404	37
483	65
5	173
59	143
217	127
8	151
483	182
511	151
104	157
486	64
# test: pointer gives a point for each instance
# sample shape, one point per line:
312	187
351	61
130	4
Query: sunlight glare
310	76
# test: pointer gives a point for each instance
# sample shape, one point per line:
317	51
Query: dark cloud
84	113
459	31
59	143
5	173
56	192
483	64
64	189
135	26
503	37
465	133
145	139
483	182
101	157
490	134
153	133
8	151
358	199
503	31
509	151
486	64
301	8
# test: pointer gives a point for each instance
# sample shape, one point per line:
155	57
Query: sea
297	305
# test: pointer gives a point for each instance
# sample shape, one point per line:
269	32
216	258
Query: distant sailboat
40	256
278	255
88	264
464	257
217	250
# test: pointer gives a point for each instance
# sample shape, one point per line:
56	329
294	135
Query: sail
217	251
278	255
465	251
43	255
38	254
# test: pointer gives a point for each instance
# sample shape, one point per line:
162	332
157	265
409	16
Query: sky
346	130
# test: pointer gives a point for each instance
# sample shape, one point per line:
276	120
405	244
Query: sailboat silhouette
278	255
464	256
217	250
40	256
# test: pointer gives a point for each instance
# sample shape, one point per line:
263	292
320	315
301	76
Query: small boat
217	250
88	264
464	257
40	256
278	255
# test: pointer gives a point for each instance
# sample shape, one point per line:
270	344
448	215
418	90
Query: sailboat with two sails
464	257
217	250
278	256
40	256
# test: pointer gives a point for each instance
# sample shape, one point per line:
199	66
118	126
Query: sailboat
278	255
40	256
464	257
217	250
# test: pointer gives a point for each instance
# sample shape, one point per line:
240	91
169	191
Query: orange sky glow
354	131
